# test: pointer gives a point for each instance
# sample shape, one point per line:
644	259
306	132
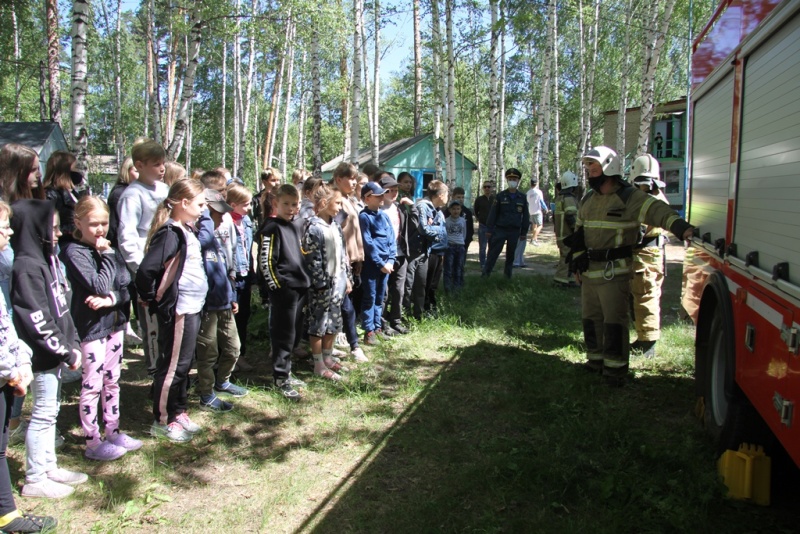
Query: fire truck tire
729	417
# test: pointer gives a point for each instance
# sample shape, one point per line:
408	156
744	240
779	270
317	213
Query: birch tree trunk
451	99
436	47
172	86
153	83
79	87
355	106
656	37
344	76
237	86
274	112
181	123
287	106
248	90
300	161
43	71
417	70
501	126
376	87
17	85
189	134
367	98
493	104
582	111
547	93
591	69
223	103
556	113
478	161
623	84
53	52
316	107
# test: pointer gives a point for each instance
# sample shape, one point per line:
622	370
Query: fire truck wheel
729	417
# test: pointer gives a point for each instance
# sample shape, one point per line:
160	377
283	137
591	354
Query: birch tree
451	99
79	86
501	126
316	106
181	123
224	104
153	92
417	70
556	107
376	86
355	105
300	160
287	105
655	32
17	56
53	53
436	47
493	99
245	99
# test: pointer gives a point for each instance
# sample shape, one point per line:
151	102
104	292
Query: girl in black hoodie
40	296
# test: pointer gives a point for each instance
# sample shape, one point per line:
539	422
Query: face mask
77	177
512	184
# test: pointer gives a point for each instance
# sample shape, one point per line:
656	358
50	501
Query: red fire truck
741	281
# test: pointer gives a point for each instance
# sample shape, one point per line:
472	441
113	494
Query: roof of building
30	134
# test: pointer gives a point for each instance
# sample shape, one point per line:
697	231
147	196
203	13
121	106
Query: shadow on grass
506	440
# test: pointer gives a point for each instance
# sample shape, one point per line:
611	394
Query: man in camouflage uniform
601	255
564	221
648	263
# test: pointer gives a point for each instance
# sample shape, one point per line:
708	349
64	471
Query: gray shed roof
32	134
387	152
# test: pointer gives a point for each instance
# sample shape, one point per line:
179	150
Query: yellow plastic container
746	473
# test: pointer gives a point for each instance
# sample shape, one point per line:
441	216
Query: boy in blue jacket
380	250
218	340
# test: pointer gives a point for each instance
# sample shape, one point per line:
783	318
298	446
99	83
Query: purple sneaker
125	441
105	452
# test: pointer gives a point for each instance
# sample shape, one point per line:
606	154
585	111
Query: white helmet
605	157
568	179
645	165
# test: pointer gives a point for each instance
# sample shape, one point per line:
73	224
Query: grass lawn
481	420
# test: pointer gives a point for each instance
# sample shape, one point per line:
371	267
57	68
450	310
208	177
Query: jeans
40	441
373	281
6	496
454	267
483	244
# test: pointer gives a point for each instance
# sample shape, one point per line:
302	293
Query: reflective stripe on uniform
618	227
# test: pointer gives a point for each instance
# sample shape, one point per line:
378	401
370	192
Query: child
326	258
137	207
380	250
455	255
218	341
15	376
40	296
100	307
172	281
239	198
287	280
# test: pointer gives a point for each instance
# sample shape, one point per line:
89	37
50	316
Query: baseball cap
387	181
454	203
372	188
216	201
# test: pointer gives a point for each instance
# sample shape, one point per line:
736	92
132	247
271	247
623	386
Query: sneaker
338	354
173	432
132	338
125	441
212	403
389	331
188	425
359	356
370	338
17	436
288	392
535	243
47	489
105	451
341	340
65	476
399	328
30	523
231	389
68	375
295	382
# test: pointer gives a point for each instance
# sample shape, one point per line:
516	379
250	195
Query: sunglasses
487	186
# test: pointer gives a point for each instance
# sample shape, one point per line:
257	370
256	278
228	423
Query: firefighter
648	263
564	221
601	255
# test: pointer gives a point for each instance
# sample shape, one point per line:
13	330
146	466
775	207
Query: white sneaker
173	432
65	476
336	353
359	356
132	337
341	340
48	489
188	425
